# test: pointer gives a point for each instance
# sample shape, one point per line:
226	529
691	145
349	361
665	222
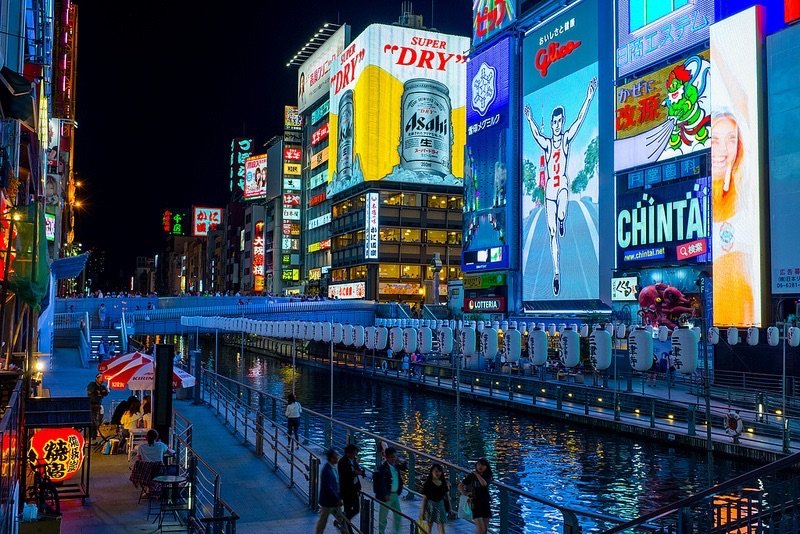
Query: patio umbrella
121	359
142	378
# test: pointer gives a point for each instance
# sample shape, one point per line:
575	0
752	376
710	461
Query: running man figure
556	189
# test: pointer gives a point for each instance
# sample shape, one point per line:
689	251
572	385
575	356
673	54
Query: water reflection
580	466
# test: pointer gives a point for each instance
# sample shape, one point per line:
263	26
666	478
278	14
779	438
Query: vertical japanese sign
205	220
241	149
736	169
664	114
649	31
491	16
372	239
258	257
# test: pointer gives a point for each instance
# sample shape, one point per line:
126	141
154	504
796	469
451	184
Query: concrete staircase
111	334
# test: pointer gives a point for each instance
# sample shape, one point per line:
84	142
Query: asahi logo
554	52
419	123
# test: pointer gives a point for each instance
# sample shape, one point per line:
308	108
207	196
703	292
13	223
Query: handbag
464	508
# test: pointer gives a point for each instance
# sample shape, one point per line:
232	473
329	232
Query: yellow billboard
398	108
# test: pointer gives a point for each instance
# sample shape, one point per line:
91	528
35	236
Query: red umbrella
142	377
120	359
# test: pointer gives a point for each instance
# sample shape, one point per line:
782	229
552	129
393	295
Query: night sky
162	87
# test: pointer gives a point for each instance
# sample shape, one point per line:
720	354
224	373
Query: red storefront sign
61	449
320	134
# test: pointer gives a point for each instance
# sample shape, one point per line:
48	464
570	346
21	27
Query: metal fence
10	461
255	416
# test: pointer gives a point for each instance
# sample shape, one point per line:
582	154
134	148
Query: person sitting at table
119	411
130	418
154	450
147	417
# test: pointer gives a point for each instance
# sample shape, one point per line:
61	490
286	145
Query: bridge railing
256	415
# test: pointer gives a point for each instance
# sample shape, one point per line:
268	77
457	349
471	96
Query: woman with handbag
475	487
434	495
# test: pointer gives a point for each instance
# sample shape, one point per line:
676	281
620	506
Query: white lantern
369	337
794	336
585	330
396	339
513	344
640	349
570	348
537	346
445	340
600	350
773	336
684	350
381	337
733	335
358	335
561	328
338	333
551	329
489	343
316	331
663	333
348	337
410	339
752	336
468	341
698	334
713	335
621	333
425	340
326	332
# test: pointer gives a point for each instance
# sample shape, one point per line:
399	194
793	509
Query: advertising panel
624	288
485	304
292	120
664	114
291	214
313	77
241	149
319	135
255	183
491	16
484	281
319	221
292	153
292	184
372	236
665	224
205	219
175	222
485	259
318	179
354	290
398	108
319	158
560	158
784	157
50	226
321	112
292	169
486	173
649	32
258	257
736	170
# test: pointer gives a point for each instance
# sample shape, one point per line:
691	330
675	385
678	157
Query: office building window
410	272
437	201
339	275
644	12
412	235
389	271
390	235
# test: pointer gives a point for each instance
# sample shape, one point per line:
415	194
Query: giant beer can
426	139
344	145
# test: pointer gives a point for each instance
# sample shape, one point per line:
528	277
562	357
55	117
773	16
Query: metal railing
597	396
68	321
766	499
10	460
254	415
206	510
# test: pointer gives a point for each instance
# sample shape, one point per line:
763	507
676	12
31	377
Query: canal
578	466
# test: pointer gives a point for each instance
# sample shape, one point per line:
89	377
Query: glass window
644	12
389	270
390	198
411	199
454	238
437	201
412	235
390	235
455	273
358	273
359	238
455	203
339	275
344	240
437	236
410	272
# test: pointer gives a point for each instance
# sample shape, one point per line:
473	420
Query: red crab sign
61	449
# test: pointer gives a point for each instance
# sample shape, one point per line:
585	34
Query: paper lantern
396	339
489	343
358	335
425	341
513	345
381	337
338	333
537	346
752	336
585	330
713	335
551	329
370	333
663	333
62	449
327	332
684	350
600	349
794	336
468	341
570	348
621	331
317	330
347	335
733	335
410	340
640	349
445	334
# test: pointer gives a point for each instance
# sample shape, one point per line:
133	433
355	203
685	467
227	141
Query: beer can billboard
561	158
398	108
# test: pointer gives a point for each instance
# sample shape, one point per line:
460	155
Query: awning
17	98
70	267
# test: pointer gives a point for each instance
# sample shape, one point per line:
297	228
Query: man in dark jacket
330	501
96	390
349	483
388	484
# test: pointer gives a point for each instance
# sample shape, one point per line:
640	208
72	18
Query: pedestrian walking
96	390
101	350
102	314
293	411
330	501
388	484
476	486
435	493
349	482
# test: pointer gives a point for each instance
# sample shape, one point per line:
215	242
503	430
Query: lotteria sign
485	304
664	224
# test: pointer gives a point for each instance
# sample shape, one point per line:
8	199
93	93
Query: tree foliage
590	162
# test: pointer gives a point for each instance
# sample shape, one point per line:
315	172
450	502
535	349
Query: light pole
701	281
457	360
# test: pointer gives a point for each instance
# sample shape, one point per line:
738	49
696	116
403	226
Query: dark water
576	466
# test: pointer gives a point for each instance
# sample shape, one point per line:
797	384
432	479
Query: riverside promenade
261	498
